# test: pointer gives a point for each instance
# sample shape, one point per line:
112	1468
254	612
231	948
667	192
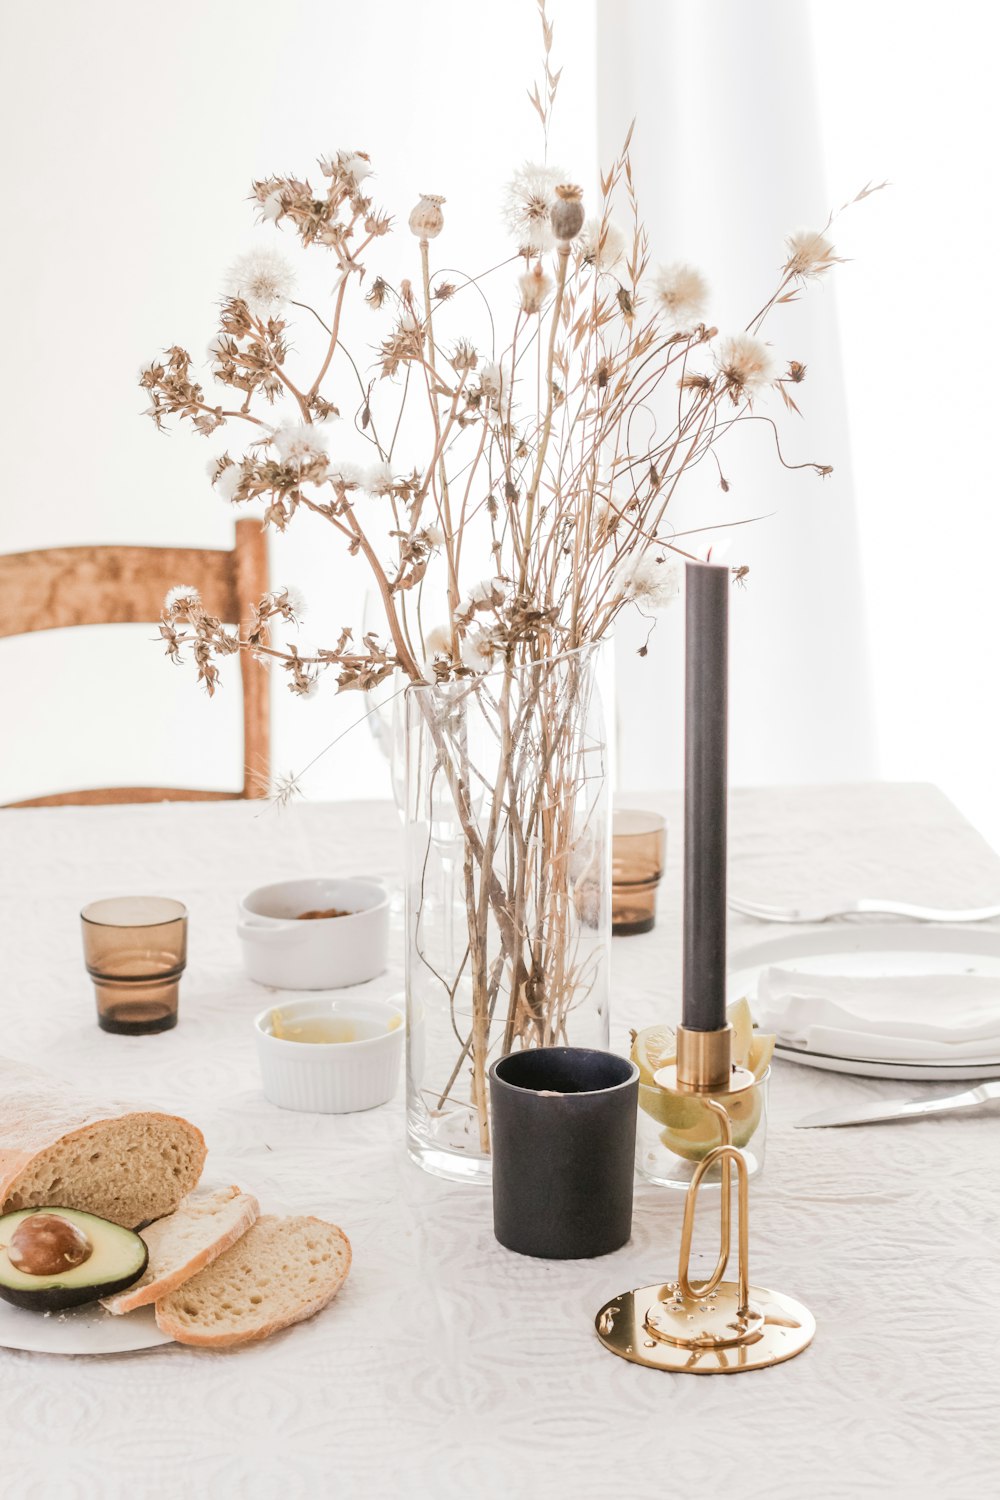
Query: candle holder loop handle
728	1156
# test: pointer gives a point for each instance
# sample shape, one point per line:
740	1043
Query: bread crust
39	1112
142	1296
226	1340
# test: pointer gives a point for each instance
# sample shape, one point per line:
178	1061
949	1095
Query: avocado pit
45	1244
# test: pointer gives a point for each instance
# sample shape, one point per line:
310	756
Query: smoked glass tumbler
136	949
638	855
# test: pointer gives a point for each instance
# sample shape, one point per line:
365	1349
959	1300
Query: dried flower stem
562	261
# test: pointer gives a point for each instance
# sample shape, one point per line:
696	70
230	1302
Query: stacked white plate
867	951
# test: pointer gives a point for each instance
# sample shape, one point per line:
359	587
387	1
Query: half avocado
53	1258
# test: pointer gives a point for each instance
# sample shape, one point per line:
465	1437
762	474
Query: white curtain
729	160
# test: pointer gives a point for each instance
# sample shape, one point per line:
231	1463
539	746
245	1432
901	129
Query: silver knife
902	1110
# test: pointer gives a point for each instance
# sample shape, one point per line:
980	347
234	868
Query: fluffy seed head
182	602
263	279
601	244
378	479
648	579
438	642
228	482
346	475
809	254
745	365
528	201
300	444
679	296
294	601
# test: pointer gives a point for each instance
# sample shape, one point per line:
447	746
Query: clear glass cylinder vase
508	887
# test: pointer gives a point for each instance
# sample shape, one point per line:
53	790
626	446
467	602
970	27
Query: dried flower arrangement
531	513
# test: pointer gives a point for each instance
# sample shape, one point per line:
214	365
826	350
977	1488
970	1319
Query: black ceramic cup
563	1148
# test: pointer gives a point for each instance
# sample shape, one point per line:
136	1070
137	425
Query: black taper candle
706	684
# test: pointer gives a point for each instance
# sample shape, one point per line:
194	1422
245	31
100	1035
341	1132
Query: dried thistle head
534	286
494	385
377	292
463	357
696	380
346	169
405	343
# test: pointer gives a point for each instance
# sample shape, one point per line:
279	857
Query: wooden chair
126	585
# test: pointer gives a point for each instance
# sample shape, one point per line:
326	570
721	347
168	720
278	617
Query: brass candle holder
718	1327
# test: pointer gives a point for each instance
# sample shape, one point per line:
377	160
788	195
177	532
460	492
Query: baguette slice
280	1272
202	1229
58	1145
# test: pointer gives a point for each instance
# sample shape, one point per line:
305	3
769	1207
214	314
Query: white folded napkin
899	1018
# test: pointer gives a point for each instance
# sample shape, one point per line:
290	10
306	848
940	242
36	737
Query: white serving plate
91	1330
873	950
79	1330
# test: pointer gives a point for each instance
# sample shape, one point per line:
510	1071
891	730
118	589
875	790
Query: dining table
448	1366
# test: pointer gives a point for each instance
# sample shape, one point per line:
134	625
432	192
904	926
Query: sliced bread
280	1272
202	1228
58	1145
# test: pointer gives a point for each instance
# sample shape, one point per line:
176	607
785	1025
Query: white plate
873	951
91	1330
79	1330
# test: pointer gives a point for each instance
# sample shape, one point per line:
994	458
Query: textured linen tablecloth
448	1366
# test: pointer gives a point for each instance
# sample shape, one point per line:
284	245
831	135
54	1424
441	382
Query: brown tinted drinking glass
136	949
638	855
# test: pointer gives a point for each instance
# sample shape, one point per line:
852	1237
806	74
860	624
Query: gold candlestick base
652	1326
720	1327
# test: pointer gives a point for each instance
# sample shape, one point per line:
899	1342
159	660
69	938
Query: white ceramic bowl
331	1078
325	953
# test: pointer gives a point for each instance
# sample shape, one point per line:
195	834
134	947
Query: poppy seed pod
567	212
427	220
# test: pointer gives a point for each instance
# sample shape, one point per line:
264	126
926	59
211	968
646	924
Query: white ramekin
327	953
331	1078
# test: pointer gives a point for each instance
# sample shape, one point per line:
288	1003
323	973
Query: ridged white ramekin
331	1078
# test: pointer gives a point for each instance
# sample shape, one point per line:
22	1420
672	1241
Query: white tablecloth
448	1366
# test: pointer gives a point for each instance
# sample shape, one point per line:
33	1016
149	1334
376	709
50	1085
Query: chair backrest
63	586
